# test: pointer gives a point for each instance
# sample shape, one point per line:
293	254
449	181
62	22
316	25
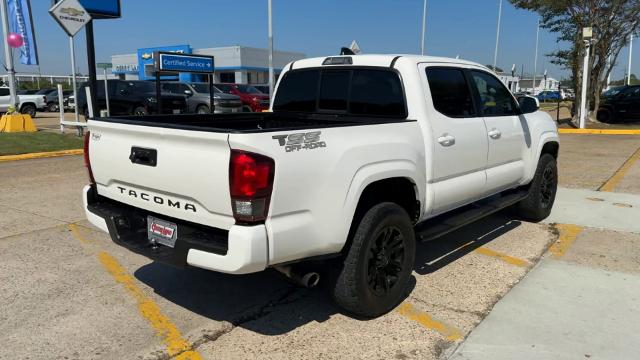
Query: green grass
24	143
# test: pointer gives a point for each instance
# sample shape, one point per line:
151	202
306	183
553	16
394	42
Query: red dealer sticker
161	232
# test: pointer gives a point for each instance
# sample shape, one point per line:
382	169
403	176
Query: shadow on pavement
245	300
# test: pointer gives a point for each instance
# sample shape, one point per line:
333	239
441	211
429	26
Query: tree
613	22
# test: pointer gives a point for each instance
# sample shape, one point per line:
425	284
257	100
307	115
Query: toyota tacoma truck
359	157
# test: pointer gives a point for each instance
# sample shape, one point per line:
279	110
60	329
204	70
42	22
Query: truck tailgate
188	180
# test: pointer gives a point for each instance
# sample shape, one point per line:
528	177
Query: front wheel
542	191
203	109
140	111
377	269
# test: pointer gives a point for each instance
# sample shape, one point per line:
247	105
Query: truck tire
52	107
377	268
139	111
604	115
203	109
28	109
542	191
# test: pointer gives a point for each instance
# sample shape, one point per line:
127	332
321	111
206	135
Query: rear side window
450	92
375	92
368	92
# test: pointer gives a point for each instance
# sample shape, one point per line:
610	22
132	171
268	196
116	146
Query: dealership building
233	64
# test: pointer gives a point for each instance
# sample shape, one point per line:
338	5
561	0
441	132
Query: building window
228	77
249	77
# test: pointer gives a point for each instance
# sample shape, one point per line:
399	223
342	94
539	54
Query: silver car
198	100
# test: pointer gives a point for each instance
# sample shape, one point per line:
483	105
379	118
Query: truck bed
248	122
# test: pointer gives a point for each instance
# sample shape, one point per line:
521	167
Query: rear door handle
494	133
446	140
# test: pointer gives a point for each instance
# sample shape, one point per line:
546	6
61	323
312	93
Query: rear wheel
542	191
203	109
604	115
29	110
140	111
377	269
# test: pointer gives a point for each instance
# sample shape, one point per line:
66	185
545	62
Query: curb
600	131
41	155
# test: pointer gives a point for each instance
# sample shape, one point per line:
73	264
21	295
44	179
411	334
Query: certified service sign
70	15
171	62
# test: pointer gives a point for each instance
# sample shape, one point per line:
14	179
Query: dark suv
132	97
623	105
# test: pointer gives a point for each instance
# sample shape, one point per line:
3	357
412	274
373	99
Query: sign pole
73	77
106	91
91	63
8	56
271	78
212	108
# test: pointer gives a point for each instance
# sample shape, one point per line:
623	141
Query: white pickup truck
27	104
359	157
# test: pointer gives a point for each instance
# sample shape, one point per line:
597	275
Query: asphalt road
67	292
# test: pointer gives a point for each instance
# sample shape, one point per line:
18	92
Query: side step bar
443	224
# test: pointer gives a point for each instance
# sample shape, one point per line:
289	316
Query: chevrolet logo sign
72	11
147	56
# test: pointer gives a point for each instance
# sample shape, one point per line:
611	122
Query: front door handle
446	140
494	133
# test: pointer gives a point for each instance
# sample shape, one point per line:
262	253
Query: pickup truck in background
27	104
131	97
360	157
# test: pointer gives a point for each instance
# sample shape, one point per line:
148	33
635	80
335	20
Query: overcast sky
454	27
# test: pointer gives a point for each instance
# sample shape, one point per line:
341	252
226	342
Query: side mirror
528	104
188	92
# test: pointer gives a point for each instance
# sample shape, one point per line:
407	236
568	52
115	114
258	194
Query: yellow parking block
17	123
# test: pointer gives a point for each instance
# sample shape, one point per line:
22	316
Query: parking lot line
600	131
408	311
568	234
41	155
613	181
177	346
501	256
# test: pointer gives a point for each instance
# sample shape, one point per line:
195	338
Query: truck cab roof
383	60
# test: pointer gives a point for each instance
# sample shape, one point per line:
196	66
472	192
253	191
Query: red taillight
87	161
250	184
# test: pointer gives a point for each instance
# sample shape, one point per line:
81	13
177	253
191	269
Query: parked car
71	103
53	104
621	105
359	157
45	91
198	100
132	97
549	96
27	104
252	98
27	91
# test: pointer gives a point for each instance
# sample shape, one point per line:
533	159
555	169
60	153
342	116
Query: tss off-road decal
300	141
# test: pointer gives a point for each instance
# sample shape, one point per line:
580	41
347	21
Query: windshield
142	86
203	88
612	92
248	89
44	91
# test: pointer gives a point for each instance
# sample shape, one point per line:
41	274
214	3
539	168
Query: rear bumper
241	250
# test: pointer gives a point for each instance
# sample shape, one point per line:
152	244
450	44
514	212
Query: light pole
630	52
495	54
535	61
270	52
424	26
8	56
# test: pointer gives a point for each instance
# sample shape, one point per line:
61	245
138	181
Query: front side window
450	92
4	92
495	99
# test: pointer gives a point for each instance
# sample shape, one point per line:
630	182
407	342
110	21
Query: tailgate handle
143	156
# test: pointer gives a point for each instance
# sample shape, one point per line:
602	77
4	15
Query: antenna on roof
346	51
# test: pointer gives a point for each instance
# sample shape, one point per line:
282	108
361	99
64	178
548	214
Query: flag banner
20	22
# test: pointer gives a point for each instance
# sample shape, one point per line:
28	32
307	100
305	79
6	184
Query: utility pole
271	78
424	26
535	61
495	54
630	52
8	56
587	35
